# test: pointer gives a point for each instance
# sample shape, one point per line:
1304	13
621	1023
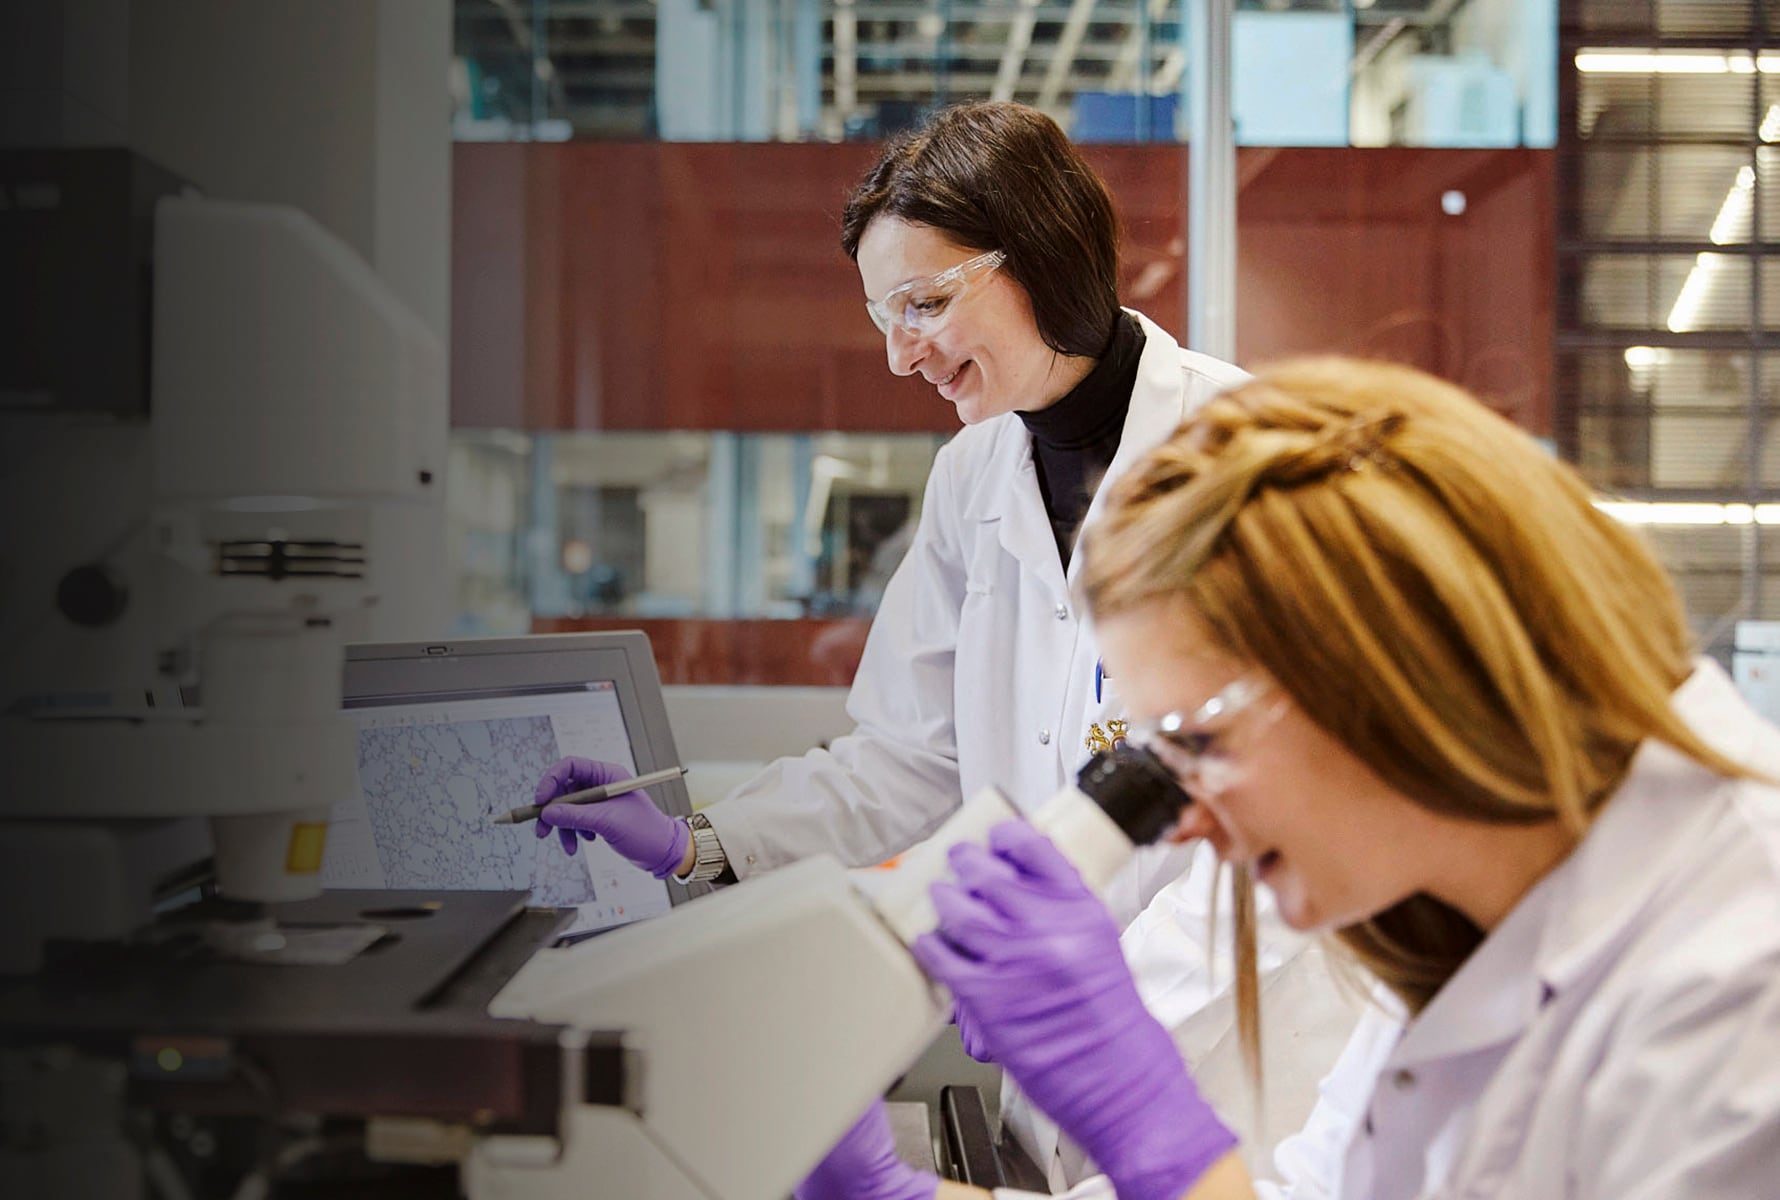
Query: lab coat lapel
1157	408
1008	497
1590	905
1647	822
1493	996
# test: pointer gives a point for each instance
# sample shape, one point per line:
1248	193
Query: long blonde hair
1429	586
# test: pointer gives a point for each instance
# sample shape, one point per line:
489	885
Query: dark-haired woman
988	252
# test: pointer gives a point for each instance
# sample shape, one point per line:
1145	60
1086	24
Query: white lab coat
1617	1037
978	670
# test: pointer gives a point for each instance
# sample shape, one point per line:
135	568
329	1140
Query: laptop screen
443	751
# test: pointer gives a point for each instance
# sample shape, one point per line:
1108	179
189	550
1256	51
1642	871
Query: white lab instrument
289	398
765	1017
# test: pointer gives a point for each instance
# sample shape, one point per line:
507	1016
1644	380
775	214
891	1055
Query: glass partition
671	411
1305	72
644	526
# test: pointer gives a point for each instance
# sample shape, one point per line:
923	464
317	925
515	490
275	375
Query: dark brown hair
1004	177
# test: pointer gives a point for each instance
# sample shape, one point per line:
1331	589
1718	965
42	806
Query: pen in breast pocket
1099	677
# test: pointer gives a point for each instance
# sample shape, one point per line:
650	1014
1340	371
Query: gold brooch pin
1100	741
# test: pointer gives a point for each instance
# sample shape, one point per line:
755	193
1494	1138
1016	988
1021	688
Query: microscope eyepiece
1142	796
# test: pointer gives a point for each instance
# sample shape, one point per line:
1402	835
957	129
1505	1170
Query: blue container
1122	117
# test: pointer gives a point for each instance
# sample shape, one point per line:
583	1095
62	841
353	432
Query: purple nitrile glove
970	1035
631	823
863	1166
1032	955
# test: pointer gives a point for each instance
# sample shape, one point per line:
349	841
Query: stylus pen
529	812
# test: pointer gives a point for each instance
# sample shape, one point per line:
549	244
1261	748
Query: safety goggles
1196	746
921	307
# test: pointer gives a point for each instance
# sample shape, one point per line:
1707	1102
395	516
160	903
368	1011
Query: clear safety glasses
1196	746
922	306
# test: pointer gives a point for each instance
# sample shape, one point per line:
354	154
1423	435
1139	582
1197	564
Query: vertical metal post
1211	181
1753	566
749	529
547	584
723	515
1145	102
807	57
540	60
802	582
942	55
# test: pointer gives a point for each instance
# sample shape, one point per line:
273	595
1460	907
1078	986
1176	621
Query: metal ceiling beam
903	84
596	80
1436	14
509	27
1433	12
1013	56
542	68
845	53
569	9
988	12
1167	76
920	50
1123	76
984	12
606	45
1068	42
911	50
1374	47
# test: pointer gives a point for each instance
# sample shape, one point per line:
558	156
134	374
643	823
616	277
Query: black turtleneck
1074	440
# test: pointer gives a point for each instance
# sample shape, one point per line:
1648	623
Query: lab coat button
1062	612
1404	1079
1044	737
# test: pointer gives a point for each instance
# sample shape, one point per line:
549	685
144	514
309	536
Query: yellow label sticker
307	840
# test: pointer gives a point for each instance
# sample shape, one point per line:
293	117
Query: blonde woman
1443	708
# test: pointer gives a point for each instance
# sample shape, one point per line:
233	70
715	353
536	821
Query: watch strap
708	858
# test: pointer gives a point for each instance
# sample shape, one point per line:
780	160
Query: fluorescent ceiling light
1642	362
1013	55
1608	61
1668	512
1693	291
1733	223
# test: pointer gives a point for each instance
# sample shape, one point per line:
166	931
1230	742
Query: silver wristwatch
708	859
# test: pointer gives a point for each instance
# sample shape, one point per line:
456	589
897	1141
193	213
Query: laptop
451	734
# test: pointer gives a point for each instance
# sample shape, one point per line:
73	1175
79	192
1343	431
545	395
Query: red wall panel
1350	251
603	285
804	651
607	285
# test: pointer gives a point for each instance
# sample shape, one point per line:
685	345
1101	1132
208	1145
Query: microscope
758	1022
291	394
